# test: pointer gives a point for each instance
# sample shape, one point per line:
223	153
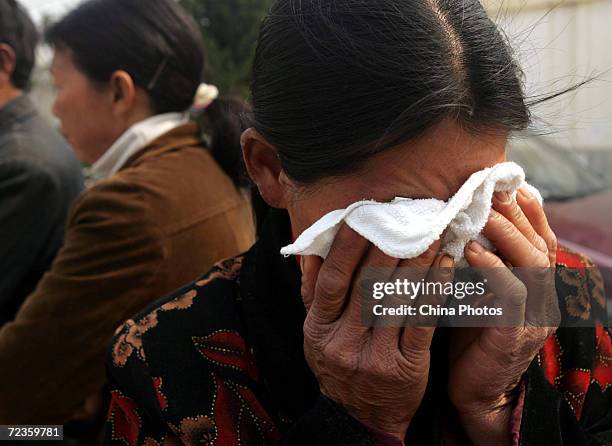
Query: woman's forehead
434	165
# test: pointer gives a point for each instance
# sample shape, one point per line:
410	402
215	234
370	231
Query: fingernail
475	247
447	262
525	194
502	197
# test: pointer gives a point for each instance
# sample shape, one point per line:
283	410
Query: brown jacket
169	214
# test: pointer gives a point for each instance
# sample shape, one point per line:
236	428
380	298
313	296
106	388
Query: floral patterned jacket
220	362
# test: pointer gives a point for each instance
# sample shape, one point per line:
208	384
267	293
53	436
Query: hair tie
204	96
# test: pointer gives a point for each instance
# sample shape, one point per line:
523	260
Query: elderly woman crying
354	100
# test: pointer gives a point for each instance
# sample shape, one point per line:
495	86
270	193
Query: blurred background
230	29
568	152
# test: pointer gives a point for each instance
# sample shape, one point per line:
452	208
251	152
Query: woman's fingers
418	268
426	259
416	340
414	270
439	272
505	205
535	214
310	266
542	306
336	275
376	267
386	338
509	291
512	244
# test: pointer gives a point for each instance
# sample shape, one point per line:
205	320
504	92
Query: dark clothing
221	362
39	178
169	213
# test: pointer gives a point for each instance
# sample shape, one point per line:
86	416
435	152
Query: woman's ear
264	167
7	63
123	92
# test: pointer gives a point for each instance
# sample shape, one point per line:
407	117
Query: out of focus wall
560	43
42	92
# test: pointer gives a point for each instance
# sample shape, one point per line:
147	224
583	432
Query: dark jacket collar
274	316
16	110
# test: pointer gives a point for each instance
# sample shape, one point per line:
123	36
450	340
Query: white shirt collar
132	141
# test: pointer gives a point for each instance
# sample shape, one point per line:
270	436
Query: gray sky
54	8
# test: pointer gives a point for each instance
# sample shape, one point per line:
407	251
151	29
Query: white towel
404	228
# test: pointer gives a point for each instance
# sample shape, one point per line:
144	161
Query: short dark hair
154	41
161	47
19	32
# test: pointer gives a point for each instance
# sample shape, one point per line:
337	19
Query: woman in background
162	205
353	100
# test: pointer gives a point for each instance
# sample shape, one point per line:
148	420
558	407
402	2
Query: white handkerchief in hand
404	228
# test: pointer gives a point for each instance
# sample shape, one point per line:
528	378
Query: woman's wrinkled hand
487	364
378	375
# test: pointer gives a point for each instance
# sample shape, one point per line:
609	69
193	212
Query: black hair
152	40
337	81
221	125
161	48
18	31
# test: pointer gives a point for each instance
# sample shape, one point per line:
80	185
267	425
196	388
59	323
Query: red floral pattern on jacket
235	416
584	286
183	372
